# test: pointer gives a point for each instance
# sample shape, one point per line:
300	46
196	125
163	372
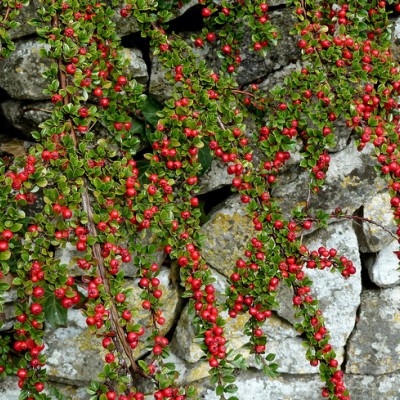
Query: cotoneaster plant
91	188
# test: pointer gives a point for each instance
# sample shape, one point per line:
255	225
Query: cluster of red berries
19	178
5	238
100	313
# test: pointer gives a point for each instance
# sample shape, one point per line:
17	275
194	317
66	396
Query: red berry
3	245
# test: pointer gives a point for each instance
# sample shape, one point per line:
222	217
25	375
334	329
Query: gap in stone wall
215	197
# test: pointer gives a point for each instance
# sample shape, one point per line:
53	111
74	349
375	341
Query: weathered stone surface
24	116
80	361
374	348
21	73
254	67
283	340
233	229
383	271
124	26
171	303
339	298
372	237
351	181
26	13
136	67
379	387
255	386
215	178
9	390
183	343
341	130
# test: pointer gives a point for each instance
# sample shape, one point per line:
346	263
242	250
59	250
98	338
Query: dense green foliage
92	190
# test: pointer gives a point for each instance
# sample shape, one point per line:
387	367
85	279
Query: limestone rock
215	178
371	387
374	348
171	303
290	355
78	362
372	237
383	271
279	332
254	385
184	345
226	234
124	26
9	390
276	78
24	116
252	67
339	298
286	52
351	181
136	67
21	73
26	14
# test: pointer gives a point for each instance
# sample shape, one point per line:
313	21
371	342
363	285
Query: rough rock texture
7	317
25	116
235	229
351	181
78	362
26	14
9	390
21	73
136	67
372	237
254	67
215	178
339	298
381	271
171	302
374	387
374	348
253	386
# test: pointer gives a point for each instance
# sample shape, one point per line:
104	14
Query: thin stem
362	219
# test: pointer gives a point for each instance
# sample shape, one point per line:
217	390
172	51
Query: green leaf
142	166
42	182
16	227
230	389
270	357
5	255
55	313
4	286
205	158
150	108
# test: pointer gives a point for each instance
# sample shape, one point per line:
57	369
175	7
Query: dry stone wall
362	313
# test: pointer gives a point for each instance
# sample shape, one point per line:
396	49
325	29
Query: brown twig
362	219
121	343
